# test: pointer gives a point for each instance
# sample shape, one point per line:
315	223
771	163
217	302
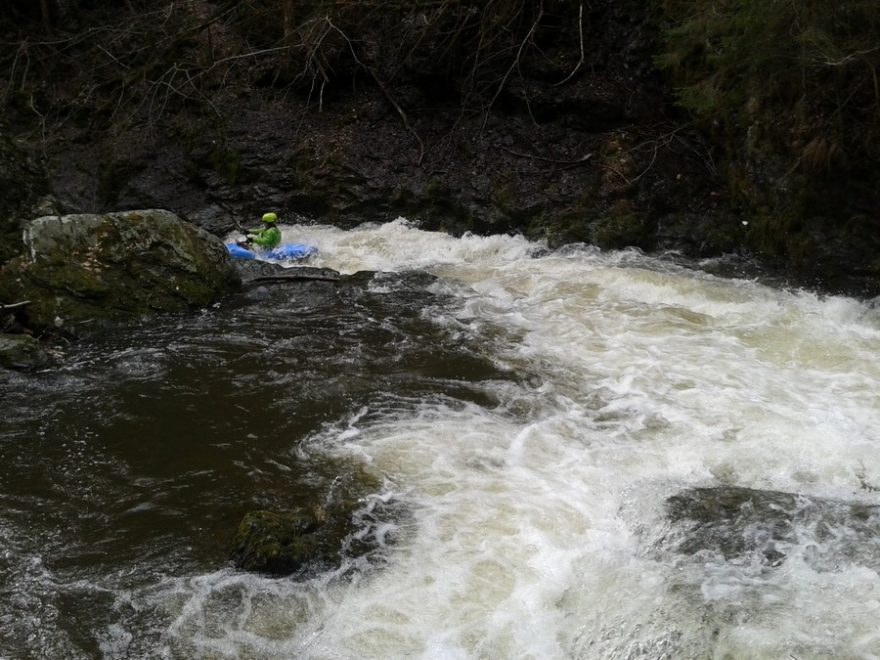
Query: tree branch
15	305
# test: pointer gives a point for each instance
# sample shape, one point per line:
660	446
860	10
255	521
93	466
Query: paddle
246	240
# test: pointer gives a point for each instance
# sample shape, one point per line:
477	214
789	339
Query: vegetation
790	91
149	57
815	61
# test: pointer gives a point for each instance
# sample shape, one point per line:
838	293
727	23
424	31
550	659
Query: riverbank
560	128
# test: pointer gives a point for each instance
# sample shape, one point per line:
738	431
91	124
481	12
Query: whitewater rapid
535	525
530	522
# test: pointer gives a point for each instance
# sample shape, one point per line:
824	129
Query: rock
21	352
255	271
767	526
80	271
279	543
347	528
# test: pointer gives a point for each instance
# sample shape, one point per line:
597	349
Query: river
521	417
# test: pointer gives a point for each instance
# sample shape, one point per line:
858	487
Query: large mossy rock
79	271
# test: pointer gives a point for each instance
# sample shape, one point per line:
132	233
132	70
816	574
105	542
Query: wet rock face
79	271
769	526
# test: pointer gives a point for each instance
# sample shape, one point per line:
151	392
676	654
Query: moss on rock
79	271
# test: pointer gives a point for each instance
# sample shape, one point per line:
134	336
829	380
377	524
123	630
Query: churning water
529	412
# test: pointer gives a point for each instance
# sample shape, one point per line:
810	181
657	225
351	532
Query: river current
522	417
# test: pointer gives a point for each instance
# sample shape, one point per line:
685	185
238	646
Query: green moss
93	269
573	225
622	226
782	236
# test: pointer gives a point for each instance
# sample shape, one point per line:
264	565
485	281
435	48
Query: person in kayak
266	237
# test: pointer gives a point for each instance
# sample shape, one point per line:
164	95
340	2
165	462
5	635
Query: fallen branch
555	161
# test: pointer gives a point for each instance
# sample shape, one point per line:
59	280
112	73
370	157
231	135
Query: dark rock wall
23	183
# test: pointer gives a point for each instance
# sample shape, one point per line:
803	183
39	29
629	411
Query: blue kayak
284	252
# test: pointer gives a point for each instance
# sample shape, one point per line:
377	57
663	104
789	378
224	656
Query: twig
617	172
650	165
827	61
113	57
16	305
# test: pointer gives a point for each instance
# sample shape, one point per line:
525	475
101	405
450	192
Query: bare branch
843	61
384	90
513	65
583	56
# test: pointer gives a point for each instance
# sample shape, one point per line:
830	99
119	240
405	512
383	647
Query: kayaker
267	236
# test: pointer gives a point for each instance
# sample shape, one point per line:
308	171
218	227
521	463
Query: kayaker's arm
267	238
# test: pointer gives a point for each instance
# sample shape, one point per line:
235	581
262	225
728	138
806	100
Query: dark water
135	458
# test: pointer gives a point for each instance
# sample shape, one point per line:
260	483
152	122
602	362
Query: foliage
810	67
789	92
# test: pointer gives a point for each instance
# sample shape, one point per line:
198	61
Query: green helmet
269	217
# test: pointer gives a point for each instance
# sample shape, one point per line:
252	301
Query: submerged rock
21	352
278	543
81	270
768	526
348	527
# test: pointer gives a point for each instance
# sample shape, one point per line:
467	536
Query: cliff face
548	118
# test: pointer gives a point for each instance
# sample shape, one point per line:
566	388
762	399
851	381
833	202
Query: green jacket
265	237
